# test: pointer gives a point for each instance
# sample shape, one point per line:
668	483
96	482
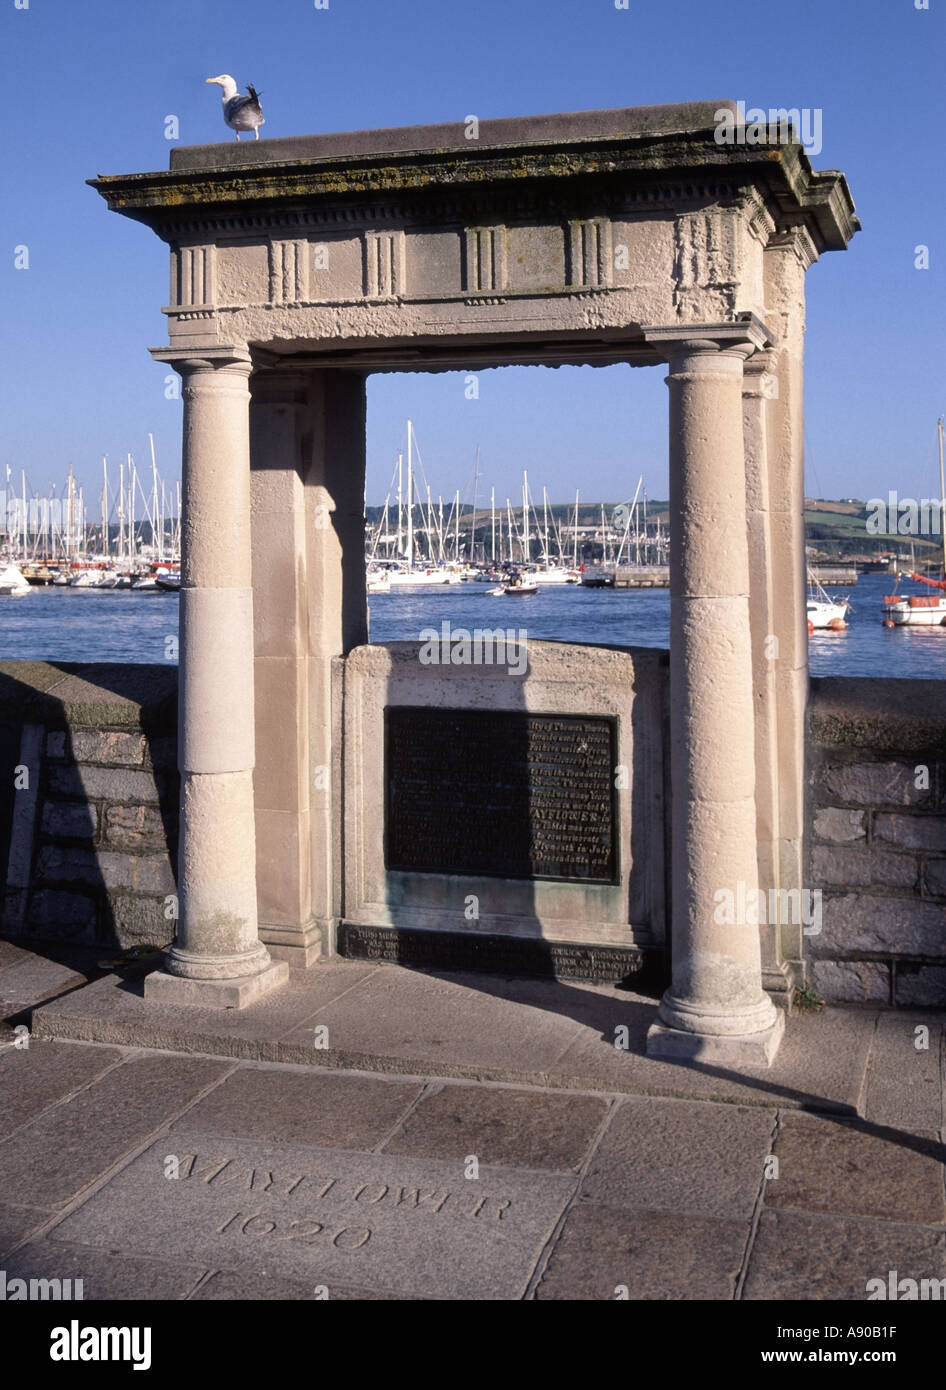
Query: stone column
218	958
715	1008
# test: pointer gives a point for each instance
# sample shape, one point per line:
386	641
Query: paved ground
453	1138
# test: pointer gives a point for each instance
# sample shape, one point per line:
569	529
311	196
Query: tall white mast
492	513
132	489
471	559
155	539
525	517
545	524
105	505
400	498
410	498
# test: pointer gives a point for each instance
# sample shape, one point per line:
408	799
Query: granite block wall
877	840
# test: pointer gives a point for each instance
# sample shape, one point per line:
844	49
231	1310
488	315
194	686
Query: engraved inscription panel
500	793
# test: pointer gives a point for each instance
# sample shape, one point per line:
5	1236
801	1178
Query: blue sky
88	86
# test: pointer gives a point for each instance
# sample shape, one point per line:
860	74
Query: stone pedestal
218	957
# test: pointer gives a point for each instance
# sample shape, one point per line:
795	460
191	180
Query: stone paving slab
51	1159
399	1018
33	979
104	1274
820	1064
857	1168
800	1255
34	1077
320	1109
247	1285
16	1223
604	1251
499	1126
113	1010
545	1033
681	1156
324	1217
905	1081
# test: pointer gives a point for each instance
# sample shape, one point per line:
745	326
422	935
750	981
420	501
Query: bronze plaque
500	793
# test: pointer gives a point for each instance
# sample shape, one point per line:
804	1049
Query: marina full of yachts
412	543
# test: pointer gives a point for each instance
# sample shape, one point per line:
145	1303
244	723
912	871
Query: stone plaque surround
562	679
301	265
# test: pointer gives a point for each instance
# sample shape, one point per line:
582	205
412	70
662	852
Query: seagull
239	112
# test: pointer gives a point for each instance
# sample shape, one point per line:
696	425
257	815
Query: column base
162	988
729	1049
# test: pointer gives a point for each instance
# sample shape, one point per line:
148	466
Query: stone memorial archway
298	266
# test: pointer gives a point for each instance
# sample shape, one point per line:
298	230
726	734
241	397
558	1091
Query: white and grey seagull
239	112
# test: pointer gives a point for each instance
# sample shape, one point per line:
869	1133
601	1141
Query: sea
83	625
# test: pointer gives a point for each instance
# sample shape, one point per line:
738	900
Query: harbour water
120	625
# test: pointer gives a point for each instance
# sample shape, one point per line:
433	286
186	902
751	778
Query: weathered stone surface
108	783
684	1157
116	748
135	827
434	1023
607	1253
321	1216
936	877
924	985
798	1255
321	1110
860	868
111	1274
138	921
523	1129
34	980
887	925
899	716
16	1223
71	820
68	865
903	1080
70	915
108	1012
852	1168
875	784
35	1077
252	1285
51	1159
851	981
141	873
839	826
913	832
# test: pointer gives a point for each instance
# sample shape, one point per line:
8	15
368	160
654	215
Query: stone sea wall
88	811
877	840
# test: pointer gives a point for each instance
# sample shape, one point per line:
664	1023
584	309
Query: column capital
188	360
741	337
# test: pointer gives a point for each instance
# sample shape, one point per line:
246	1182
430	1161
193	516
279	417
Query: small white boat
13	584
555	574
521	584
823	612
378	582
